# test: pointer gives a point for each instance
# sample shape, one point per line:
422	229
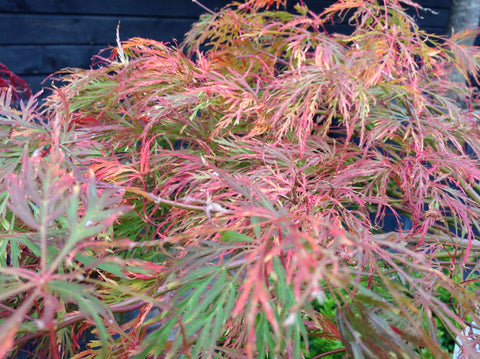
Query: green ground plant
225	198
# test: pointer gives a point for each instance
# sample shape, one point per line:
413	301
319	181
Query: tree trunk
463	14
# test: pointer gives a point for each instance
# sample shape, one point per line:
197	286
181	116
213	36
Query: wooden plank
435	4
427	19
83	29
92	30
37	83
180	8
44	60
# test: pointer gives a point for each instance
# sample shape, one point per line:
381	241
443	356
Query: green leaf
265	340
72	209
204	337
3	253
14	254
32	246
88	304
210	296
235	237
193	305
256	225
158	338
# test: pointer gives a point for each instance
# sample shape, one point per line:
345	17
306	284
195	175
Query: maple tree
208	199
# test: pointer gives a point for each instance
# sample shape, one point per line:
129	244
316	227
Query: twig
433	238
323	355
11	310
127	305
203	7
209	207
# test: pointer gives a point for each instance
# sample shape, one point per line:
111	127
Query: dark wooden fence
39	37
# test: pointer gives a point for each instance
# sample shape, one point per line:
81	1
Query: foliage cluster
20	88
219	191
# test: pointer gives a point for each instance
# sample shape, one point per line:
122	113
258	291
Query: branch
124	306
203	7
208	208
434	238
331	352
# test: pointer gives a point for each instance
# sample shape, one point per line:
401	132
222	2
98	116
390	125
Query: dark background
39	37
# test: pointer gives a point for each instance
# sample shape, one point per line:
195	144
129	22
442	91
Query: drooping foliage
8	80
206	200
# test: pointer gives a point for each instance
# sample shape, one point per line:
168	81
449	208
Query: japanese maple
206	199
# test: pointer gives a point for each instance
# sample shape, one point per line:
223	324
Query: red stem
53	342
203	7
323	355
37	307
75	319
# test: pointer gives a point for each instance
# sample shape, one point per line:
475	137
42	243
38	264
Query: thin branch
203	7
126	305
433	238
11	310
208	208
331	352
